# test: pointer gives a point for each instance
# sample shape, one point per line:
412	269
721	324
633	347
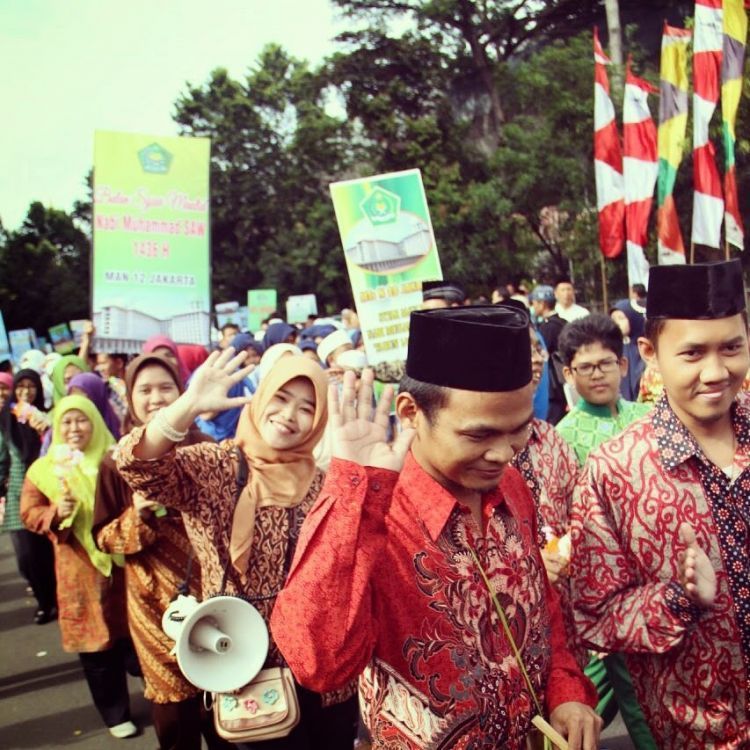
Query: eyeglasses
605	367
543	353
25	387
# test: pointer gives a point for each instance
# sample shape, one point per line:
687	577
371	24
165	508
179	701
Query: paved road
44	701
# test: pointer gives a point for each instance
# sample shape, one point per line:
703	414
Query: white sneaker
126	729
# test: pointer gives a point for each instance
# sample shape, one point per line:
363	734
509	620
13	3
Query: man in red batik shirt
385	583
661	519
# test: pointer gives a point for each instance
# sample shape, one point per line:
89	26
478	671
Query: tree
44	270
480	37
274	151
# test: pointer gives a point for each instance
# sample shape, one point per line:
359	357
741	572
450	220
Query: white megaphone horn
220	644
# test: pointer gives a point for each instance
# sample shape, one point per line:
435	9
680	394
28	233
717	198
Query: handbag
543	736
267	708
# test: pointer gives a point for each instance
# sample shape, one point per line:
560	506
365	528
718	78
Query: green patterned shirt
587	426
12	473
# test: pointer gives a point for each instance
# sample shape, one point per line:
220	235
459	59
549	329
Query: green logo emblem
381	206
155	159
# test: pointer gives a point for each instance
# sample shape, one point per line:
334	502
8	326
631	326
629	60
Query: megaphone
220	644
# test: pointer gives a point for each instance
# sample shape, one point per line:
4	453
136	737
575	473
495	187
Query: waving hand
360	434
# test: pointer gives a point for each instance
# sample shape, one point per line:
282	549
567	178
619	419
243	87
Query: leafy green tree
44	270
274	151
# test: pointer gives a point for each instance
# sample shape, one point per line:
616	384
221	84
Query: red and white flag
610	193
640	168
708	42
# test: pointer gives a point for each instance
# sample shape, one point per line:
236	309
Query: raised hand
208	387
359	433
207	392
697	574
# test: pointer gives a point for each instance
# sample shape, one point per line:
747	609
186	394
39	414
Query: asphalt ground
44	700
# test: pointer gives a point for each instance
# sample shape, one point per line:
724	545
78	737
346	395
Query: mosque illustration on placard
387	240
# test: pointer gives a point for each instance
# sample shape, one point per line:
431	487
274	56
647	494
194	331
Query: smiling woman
244	543
157	560
58	500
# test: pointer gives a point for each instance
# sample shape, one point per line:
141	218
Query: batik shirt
549	467
384	585
689	665
588	426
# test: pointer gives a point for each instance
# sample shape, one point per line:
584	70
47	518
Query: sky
71	67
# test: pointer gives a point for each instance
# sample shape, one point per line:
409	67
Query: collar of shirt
534	435
676	443
432	501
602	412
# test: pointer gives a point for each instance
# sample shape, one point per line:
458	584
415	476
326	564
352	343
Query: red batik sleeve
614	608
323	621
566	680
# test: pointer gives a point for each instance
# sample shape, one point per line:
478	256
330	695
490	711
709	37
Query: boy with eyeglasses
661	521
591	350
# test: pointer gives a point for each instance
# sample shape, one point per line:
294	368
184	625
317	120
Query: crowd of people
541	512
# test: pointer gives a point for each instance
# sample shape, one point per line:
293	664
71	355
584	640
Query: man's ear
648	352
568	375
406	409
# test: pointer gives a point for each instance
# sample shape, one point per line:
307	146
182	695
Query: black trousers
106	675
331	728
36	563
179	726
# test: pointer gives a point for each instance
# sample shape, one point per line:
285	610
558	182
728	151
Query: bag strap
184	587
240	482
509	635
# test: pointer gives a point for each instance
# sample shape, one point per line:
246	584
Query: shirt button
376	486
355	481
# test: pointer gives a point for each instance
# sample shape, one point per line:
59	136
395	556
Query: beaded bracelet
166	429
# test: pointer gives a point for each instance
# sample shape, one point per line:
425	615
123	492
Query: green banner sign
260	304
390	250
61	338
151	270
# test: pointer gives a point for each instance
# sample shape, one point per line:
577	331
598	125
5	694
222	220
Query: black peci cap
446	290
702	291
480	348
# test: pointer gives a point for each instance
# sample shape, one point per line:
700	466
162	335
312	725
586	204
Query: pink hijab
157	342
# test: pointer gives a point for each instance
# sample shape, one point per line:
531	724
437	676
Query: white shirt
574	312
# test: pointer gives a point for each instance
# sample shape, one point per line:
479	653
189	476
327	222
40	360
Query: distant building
121	329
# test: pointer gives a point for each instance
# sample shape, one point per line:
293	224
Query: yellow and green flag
735	34
673	112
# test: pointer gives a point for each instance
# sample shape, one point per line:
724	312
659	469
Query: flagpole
726	248
604	284
692	252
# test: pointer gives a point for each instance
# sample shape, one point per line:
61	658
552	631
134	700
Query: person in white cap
332	345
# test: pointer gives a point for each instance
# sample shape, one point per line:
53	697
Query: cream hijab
276	477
